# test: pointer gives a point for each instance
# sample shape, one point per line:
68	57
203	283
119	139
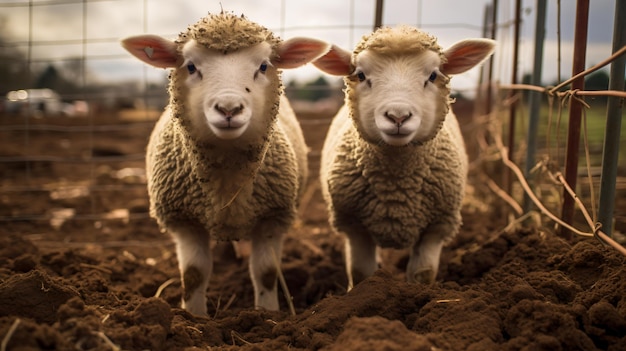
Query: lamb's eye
361	76
263	67
432	77
191	68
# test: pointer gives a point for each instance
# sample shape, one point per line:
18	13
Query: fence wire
551	168
87	168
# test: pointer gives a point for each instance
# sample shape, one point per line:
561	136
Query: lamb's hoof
198	312
357	277
423	276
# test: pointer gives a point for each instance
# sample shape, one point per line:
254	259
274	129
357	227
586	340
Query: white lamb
394	165
227	160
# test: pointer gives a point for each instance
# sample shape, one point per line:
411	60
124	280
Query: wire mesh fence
68	158
564	173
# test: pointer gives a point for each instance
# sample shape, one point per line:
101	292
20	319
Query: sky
57	29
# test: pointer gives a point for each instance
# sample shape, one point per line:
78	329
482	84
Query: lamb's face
398	96
226	82
227	91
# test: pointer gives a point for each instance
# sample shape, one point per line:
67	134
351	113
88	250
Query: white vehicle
34	102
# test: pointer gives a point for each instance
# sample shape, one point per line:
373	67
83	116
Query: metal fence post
508	183
613	124
378	16
575	112
534	97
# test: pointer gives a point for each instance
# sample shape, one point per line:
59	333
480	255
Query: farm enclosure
81	262
77	282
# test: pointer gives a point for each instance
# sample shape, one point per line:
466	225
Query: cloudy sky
61	29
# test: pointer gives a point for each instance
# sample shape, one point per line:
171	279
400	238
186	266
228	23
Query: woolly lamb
394	166
227	159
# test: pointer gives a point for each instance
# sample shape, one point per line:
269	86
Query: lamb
394	165
227	159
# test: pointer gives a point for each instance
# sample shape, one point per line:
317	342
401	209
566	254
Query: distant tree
319	88
314	90
55	79
598	80
74	69
49	78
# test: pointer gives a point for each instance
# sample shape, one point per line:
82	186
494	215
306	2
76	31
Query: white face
227	92
398	96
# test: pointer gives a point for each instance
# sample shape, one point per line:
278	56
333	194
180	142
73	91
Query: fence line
577	104
558	178
554	91
573	93
551	92
77	129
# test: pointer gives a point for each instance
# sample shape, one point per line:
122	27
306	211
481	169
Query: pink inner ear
466	55
335	62
299	51
152	50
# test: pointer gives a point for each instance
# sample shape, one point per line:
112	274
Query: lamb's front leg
264	260
195	262
360	257
425	254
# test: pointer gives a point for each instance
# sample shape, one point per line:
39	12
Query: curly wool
398	40
227	32
393	193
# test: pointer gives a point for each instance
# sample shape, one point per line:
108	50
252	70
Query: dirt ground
82	267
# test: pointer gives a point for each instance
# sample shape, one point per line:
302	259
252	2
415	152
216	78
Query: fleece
394	193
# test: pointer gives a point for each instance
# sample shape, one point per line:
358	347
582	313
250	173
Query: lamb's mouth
398	138
226	128
228	124
397	133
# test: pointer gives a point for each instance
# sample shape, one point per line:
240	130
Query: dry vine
544	166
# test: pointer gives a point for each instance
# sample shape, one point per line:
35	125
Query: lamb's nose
228	110
398	117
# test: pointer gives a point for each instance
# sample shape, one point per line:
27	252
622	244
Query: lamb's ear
336	62
153	50
296	52
466	54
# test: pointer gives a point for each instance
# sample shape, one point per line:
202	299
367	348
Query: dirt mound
522	290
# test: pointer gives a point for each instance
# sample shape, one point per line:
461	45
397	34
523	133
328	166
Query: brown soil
89	283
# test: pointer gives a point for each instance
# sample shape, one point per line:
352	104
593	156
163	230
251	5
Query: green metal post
613	124
534	97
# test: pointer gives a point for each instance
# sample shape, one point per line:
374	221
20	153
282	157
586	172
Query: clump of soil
533	290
